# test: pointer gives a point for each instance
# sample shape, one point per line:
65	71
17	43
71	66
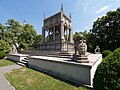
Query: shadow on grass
58	77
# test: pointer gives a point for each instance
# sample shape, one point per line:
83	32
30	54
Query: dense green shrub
2	54
107	76
106	53
4	46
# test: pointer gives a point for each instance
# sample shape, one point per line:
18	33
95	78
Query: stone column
67	34
54	33
48	35
71	36
62	32
43	36
62	28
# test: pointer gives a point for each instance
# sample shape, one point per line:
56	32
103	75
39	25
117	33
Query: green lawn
4	62
28	79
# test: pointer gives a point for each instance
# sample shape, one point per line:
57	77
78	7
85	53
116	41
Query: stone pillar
54	33
67	34
62	33
62	28
44	33
71	36
43	36
48	35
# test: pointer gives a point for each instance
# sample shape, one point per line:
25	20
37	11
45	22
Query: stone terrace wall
77	73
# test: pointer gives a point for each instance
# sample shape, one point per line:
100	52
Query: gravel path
4	84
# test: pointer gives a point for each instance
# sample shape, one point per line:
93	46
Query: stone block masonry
81	73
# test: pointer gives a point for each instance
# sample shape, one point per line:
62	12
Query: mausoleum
57	32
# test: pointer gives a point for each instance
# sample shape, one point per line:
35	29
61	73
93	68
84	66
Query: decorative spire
70	15
44	16
61	6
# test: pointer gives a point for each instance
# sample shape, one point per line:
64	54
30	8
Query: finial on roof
44	16
61	6
70	15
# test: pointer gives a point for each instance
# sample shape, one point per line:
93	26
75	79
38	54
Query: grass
4	62
28	79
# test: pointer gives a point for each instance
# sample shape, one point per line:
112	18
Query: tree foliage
107	76
106	53
106	31
26	37
21	36
2	30
4	46
13	29
37	40
75	36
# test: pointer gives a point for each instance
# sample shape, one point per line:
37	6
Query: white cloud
102	9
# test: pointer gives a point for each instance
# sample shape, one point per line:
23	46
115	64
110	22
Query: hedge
107	76
106	53
2	54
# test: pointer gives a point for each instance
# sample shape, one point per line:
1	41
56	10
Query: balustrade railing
66	46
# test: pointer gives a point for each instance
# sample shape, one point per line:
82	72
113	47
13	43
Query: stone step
26	60
52	54
19	63
58	56
49	53
83	61
65	56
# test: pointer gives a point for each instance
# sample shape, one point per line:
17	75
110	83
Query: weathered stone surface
97	50
58	27
82	73
80	51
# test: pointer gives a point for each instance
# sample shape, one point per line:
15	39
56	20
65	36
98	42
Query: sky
84	12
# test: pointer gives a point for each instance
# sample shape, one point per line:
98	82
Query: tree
37	40
26	37
21	36
4	46
89	41
13	28
106	31
75	36
2	30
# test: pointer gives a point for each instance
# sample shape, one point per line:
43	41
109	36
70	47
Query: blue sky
84	12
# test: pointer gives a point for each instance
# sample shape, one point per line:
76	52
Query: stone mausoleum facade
57	33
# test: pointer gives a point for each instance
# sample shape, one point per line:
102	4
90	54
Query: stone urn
80	50
82	47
